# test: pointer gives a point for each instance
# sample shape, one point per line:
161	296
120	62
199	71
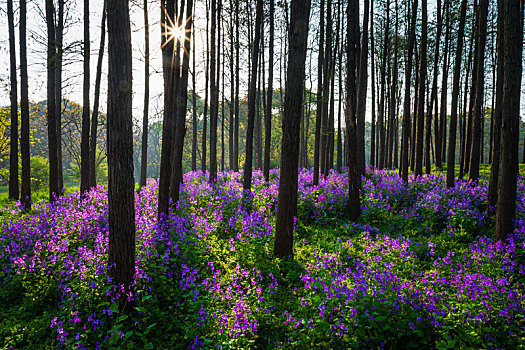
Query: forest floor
418	270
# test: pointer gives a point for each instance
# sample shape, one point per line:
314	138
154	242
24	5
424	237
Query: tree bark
422	84
287	200
362	92
319	98
13	94
25	188
382	106
492	196
451	153
268	112
94	116
145	112
507	184
58	88
354	178
247	175
214	94
84	143
120	150
479	91
51	102
406	102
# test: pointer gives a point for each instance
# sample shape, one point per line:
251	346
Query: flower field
418	270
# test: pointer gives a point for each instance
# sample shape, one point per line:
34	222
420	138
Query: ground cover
418	270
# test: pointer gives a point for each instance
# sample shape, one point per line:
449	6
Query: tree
421	97
361	93
167	16
94	117
481	39
58	88
214	94
382	106
287	200
247	174
145	117
120	151
84	144
319	109
51	102
354	178
406	102
451	153
13	154
492	195
25	188
268	111
508	167
181	101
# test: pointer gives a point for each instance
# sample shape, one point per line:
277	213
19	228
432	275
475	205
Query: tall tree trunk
287	200
319	109
382	105
205	117
167	10
84	142
145	113
13	149
194	103
506	204
372	58
120	149
464	113
25	187
444	88
492	196
247	175
327	76
451	153
214	98
51	102
94	116
58	89
406	103
362	92
354	178
422	84
237	78
268	112
393	99
181	103
232	92
433	96
479	91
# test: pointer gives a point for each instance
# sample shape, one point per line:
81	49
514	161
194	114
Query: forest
262	174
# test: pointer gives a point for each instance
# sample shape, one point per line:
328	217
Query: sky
73	65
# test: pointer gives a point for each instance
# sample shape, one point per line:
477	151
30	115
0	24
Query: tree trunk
513	47
25	187
51	102
406	103
181	103
168	67
362	92
393	100
247	175
120	150
382	106
84	143
451	153
237	78
58	89
13	94
268	112
373	124
464	114
232	91
145	113
214	95
319	97
444	89
479	91
354	178
433	95
94	117
422	84
287	200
